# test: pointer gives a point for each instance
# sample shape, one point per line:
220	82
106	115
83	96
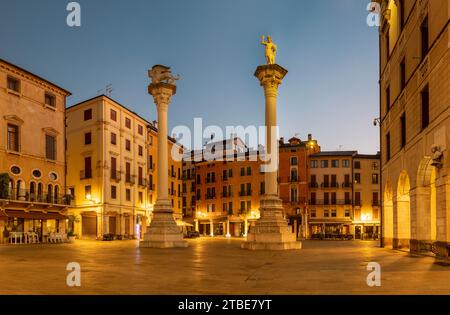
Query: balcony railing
293	179
245	193
85	174
142	182
358	203
226	194
130	179
330	202
115	175
151	166
24	195
375	203
151	187
314	185
346	185
210	196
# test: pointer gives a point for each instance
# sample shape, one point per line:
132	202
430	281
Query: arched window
49	193
40	192
56	196
32	191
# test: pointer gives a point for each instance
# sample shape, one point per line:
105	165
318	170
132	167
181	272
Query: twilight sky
331	89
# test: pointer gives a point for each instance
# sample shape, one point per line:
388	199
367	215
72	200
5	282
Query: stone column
211	228
271	231
196	225
163	232
228	229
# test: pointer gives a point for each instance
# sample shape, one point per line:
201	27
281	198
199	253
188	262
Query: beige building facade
111	153
414	116
32	158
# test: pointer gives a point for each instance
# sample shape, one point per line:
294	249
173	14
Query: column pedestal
271	231
163	232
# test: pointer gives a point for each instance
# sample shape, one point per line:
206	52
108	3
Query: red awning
35	215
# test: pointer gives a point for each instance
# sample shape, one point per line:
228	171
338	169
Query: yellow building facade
32	157
111	157
414	116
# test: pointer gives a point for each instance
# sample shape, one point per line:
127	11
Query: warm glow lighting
88	197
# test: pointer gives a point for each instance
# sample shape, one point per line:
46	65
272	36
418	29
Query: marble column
163	232
271	231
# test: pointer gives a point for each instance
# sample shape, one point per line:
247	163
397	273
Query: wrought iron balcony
115	175
85	174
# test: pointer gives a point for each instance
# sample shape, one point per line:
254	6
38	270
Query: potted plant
4	186
71	236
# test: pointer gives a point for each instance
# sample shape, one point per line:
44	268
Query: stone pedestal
163	231
271	231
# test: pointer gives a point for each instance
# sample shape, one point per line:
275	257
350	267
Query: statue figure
161	73
271	50
438	154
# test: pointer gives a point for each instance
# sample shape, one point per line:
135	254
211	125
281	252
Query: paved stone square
217	266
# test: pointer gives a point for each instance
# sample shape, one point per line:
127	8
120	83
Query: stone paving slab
217	266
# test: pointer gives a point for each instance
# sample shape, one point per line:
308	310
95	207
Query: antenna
107	90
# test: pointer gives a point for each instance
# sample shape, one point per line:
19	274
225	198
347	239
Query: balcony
151	167
330	202
142	182
115	175
325	185
85	174
245	193
313	185
347	185
151	187
210	196
375	203
358	203
24	195
293	179
226	194
224	178
130	179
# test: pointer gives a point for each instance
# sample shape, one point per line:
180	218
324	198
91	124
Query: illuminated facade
414	111
344	195
32	160
111	153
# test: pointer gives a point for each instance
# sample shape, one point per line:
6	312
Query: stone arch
402	224
388	215
425	205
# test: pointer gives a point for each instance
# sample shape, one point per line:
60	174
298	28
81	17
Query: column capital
162	93
270	77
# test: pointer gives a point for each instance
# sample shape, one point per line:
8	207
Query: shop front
330	229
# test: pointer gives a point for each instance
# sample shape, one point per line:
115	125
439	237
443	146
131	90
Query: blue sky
331	89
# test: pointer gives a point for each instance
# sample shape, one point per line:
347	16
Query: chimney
155	123
282	140
309	137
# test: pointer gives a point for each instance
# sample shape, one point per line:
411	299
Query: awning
35	215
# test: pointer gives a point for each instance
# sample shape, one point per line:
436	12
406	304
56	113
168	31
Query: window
140	130
313	199
347	199
425	96
141	197
230	172
88	114
324	163
374	166
388	98
345	163
294	195
113	138
326	213
403	130
374	179
347	213
87	192
242	171
424	37
375	201
333	213
113	192
388	48
401	13
402	74
128	123
326	198
87	138
249	171
334	163
127	144
294	160
13	138
314	164
87	167
357	178
50	147
357	165
113	115
388	146
50	100
140	150
13	84
358	198
128	194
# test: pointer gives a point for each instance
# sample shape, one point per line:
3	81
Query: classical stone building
111	157
344	195
414	116
32	155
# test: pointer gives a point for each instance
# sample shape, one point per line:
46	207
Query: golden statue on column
271	50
